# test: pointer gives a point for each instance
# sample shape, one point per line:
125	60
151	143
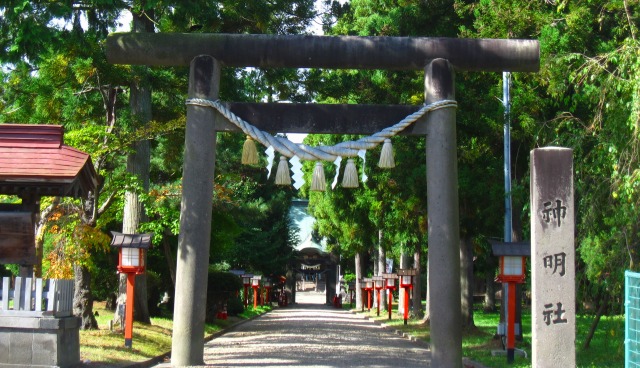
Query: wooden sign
17	238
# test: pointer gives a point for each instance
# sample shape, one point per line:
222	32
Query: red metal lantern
368	286
512	272
131	260
267	286
133	249
406	282
390	285
246	282
512	269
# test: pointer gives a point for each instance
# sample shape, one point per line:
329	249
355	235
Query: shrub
221	287
234	306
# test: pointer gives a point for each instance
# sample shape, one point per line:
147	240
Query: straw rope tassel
350	179
249	152
318	182
282	175
386	156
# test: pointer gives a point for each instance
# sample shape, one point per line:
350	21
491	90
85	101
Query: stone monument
553	258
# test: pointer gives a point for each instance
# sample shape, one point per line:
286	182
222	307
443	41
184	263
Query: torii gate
207	53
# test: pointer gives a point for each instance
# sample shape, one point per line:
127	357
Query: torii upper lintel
331	52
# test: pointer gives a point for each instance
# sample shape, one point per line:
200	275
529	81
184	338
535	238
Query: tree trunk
466	281
382	266
82	299
359	296
417	285
138	163
490	294
168	255
594	324
376	268
427	314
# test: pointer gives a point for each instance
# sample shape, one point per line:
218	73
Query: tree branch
631	26
106	204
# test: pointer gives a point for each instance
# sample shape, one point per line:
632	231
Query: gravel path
313	335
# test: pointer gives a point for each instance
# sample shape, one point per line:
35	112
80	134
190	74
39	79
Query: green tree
57	73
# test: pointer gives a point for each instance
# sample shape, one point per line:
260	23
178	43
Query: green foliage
349	277
55	72
104	278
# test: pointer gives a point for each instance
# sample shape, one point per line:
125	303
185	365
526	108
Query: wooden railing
32	297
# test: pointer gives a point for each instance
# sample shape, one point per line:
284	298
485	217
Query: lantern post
131	260
368	286
379	285
406	282
390	285
267	286
246	282
255	284
512	272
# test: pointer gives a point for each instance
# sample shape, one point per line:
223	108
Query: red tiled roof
34	161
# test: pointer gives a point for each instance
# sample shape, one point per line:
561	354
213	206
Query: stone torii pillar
442	212
438	55
187	346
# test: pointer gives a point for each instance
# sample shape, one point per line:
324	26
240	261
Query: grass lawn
105	347
606	350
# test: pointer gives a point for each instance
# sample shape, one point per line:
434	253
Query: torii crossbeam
207	53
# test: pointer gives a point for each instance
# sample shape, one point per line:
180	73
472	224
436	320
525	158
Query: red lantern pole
128	330
406	304
255	297
389	305
511	322
389	284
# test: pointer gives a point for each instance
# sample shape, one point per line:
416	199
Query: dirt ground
313	335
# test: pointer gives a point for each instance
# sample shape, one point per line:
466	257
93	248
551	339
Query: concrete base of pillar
39	341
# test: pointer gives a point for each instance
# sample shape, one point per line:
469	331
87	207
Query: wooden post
442	209
195	217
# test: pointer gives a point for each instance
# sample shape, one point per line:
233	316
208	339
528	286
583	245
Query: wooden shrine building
34	163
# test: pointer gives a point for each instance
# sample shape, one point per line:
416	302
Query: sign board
17	238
